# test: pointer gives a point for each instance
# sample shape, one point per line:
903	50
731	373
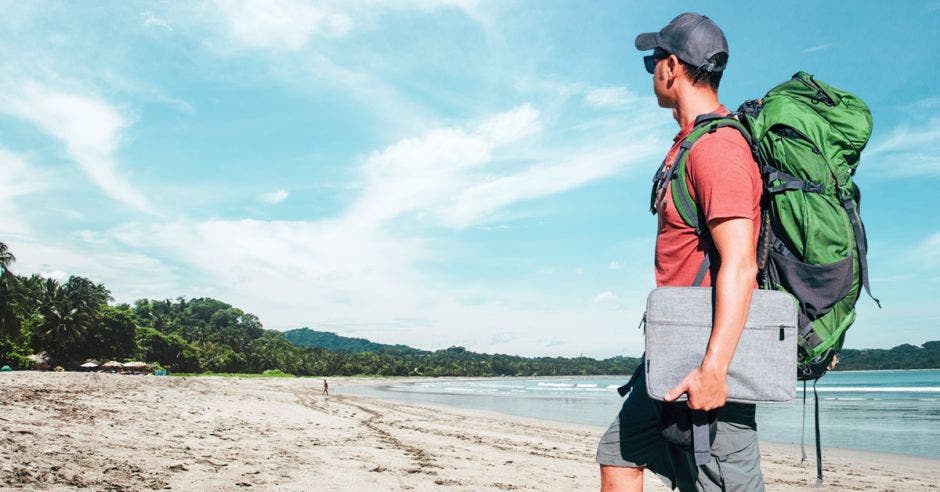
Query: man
689	56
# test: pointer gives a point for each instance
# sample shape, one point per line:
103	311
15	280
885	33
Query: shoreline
810	445
438	378
113	431
528	405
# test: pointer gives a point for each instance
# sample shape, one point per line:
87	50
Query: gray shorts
635	439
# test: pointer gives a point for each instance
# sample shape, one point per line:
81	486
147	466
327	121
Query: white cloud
922	104
151	20
369	89
903	138
17	178
610	97
128	275
441	172
605	296
57	275
466	5
906	152
274	197
290	25
927	252
89	127
820	47
67	212
479	201
418	173
511	125
313	42
425	173
554	88
279	25
501	338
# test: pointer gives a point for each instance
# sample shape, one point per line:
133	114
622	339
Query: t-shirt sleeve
723	177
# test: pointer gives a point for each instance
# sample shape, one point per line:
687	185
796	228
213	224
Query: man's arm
707	386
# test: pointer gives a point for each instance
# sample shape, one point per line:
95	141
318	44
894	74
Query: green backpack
806	137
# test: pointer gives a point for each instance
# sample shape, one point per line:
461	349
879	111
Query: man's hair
699	76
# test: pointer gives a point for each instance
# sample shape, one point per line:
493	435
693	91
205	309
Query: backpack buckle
811	187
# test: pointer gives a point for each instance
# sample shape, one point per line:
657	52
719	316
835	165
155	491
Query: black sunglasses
650	61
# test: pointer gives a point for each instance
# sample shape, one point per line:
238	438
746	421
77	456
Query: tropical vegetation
74	321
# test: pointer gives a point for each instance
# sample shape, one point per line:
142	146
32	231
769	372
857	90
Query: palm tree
67	312
9	321
6	259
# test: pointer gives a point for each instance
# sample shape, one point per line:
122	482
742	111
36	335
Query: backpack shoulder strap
681	196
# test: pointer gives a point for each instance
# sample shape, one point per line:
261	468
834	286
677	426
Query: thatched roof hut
136	366
112	365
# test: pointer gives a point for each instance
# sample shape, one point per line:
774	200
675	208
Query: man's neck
693	103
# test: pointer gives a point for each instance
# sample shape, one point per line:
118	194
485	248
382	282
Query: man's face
660	79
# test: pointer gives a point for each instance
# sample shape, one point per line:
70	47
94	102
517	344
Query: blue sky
427	172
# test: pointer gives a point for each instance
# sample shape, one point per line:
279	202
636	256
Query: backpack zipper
789	129
821	94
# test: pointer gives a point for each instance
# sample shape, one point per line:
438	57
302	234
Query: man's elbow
744	267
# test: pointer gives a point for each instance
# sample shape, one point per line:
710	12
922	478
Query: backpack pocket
818	287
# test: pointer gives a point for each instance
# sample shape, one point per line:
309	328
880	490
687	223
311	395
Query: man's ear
672	67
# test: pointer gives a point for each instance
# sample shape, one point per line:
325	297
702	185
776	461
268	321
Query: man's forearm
733	286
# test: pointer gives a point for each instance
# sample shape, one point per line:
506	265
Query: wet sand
105	431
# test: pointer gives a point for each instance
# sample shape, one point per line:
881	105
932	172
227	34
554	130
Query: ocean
883	411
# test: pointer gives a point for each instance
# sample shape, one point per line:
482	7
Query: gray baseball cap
693	38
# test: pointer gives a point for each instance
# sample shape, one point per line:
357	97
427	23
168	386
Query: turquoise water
883	411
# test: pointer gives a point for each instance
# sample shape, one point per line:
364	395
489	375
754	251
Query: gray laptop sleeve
678	327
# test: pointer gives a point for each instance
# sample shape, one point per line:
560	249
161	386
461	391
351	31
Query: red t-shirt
725	183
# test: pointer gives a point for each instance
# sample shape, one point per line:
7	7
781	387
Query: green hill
305	337
906	356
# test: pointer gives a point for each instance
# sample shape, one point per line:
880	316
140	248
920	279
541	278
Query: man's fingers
677	391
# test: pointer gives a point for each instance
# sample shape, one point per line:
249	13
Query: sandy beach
104	431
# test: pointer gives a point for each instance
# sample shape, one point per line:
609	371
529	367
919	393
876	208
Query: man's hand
707	389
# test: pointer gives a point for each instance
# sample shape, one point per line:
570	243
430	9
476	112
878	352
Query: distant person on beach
326	388
689	56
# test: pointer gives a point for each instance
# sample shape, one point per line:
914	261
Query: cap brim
647	41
